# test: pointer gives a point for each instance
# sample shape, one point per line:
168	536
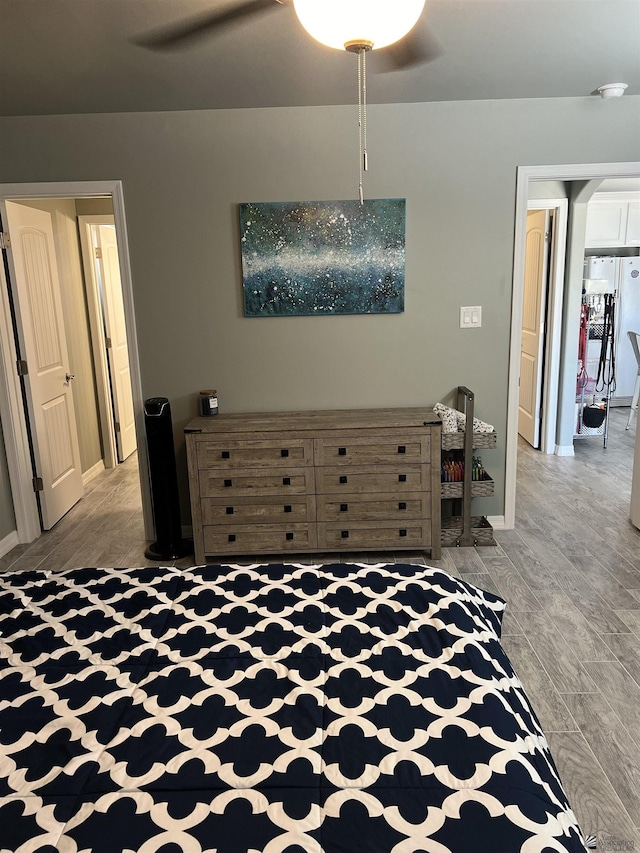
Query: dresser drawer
256	481
257	538
259	510
372	450
232	453
370	507
363	478
362	535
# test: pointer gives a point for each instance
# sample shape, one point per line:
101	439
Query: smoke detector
612	90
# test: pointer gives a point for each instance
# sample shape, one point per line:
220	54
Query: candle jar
208	403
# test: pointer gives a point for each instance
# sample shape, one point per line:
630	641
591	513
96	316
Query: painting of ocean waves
323	257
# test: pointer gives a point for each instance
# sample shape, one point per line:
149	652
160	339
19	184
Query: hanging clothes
583	376
606	378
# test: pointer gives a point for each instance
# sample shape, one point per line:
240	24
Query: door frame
526	174
12	412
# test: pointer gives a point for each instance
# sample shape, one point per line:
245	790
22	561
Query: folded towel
455	421
478	425
448	417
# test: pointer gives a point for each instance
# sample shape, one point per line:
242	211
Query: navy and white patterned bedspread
226	709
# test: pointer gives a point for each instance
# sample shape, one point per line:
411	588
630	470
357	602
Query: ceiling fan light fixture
336	23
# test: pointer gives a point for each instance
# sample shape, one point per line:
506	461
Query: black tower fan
164	483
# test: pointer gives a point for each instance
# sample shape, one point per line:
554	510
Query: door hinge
38	485
547	236
5	240
117	425
107	343
98	252
22	367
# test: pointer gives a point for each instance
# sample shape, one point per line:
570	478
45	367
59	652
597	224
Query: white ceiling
75	56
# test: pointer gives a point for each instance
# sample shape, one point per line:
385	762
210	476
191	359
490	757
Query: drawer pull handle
289	536
402	532
343	479
225	454
229	510
286	481
228	484
287	508
402	505
342	451
402	448
284	453
402	478
232	537
344	507
345	534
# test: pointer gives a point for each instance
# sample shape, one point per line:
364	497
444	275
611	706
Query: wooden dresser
356	480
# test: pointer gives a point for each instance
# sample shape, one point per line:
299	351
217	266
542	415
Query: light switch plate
471	317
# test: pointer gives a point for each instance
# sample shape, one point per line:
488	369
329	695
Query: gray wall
184	174
94	207
547	189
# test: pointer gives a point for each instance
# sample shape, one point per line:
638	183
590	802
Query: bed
342	708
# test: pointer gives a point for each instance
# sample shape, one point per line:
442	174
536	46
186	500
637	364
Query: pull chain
364	109
360	145
361	48
362	118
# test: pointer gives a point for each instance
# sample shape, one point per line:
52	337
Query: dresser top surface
339	419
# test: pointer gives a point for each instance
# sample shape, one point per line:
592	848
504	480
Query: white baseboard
10	541
96	469
497	522
564	450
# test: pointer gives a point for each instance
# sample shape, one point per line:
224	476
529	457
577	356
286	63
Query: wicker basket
481	531
479	488
455	440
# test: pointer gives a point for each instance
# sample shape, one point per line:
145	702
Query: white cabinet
606	223
633	224
613	221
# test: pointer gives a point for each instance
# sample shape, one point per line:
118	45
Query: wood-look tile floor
569	571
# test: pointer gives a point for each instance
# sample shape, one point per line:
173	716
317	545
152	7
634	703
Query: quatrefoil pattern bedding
226	709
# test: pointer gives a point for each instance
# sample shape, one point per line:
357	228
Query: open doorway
567	340
43	433
105	309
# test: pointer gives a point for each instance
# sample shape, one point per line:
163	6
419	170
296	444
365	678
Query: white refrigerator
624	275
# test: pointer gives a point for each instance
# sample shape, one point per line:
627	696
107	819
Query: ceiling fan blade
416	48
180	35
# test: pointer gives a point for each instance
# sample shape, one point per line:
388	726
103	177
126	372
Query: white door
116	334
48	382
532	345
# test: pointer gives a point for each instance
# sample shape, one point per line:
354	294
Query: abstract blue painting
323	257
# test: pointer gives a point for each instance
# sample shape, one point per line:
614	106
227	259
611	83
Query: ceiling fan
387	26
357	26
